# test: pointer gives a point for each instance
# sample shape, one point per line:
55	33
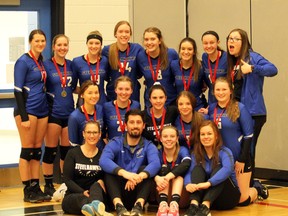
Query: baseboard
271	174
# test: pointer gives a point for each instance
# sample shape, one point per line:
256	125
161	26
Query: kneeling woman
211	178
83	176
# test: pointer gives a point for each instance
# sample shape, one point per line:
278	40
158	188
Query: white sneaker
60	193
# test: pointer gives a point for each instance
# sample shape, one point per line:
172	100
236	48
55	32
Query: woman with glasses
83	175
247	70
214	61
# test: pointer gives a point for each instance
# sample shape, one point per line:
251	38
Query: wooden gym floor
11	204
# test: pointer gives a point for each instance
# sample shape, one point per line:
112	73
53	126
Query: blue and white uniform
76	123
183	138
233	133
165	77
195	87
82	69
28	88
220	72
130	71
60	107
111	122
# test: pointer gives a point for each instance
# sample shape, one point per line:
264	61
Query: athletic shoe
163	209
121	210
87	210
262	190
59	194
203	211
137	210
173	209
35	187
99	208
192	210
31	196
49	189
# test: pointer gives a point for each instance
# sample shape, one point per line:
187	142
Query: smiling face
207	137
91	133
169	138
210	44
135	126
234	43
186	51
222	92
123	34
38	43
61	47
123	90
94	46
184	106
91	95
151	42
158	99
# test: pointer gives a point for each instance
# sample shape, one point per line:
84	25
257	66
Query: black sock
26	183
163	197
48	180
176	198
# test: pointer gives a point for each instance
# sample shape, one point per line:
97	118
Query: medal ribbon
165	160
86	114
94	77
154	76
62	79
41	68
216	120
233	72
122	68
187	85
184	134
155	125
213	75
121	123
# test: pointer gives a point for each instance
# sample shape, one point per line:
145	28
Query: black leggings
73	202
222	196
115	187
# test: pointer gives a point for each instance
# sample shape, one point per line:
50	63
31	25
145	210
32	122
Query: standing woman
188	120
211	178
214	61
236	127
247	70
114	111
175	162
188	71
92	66
84	177
61	82
122	60
158	115
31	114
90	110
154	64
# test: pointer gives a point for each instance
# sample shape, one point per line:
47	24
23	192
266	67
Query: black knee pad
63	151
26	154
37	152
246	202
49	155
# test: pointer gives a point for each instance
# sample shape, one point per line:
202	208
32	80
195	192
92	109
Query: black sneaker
192	210
31	196
121	210
203	211
137	210
35	187
49	190
262	190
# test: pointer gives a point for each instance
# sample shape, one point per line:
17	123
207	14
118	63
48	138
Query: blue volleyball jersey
182	155
29	81
195	86
111	122
187	130
77	121
60	107
165	77
233	133
220	72
82	69
130	71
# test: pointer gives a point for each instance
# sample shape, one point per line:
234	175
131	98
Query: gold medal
63	93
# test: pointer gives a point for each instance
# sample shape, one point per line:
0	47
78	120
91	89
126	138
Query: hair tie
94	36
